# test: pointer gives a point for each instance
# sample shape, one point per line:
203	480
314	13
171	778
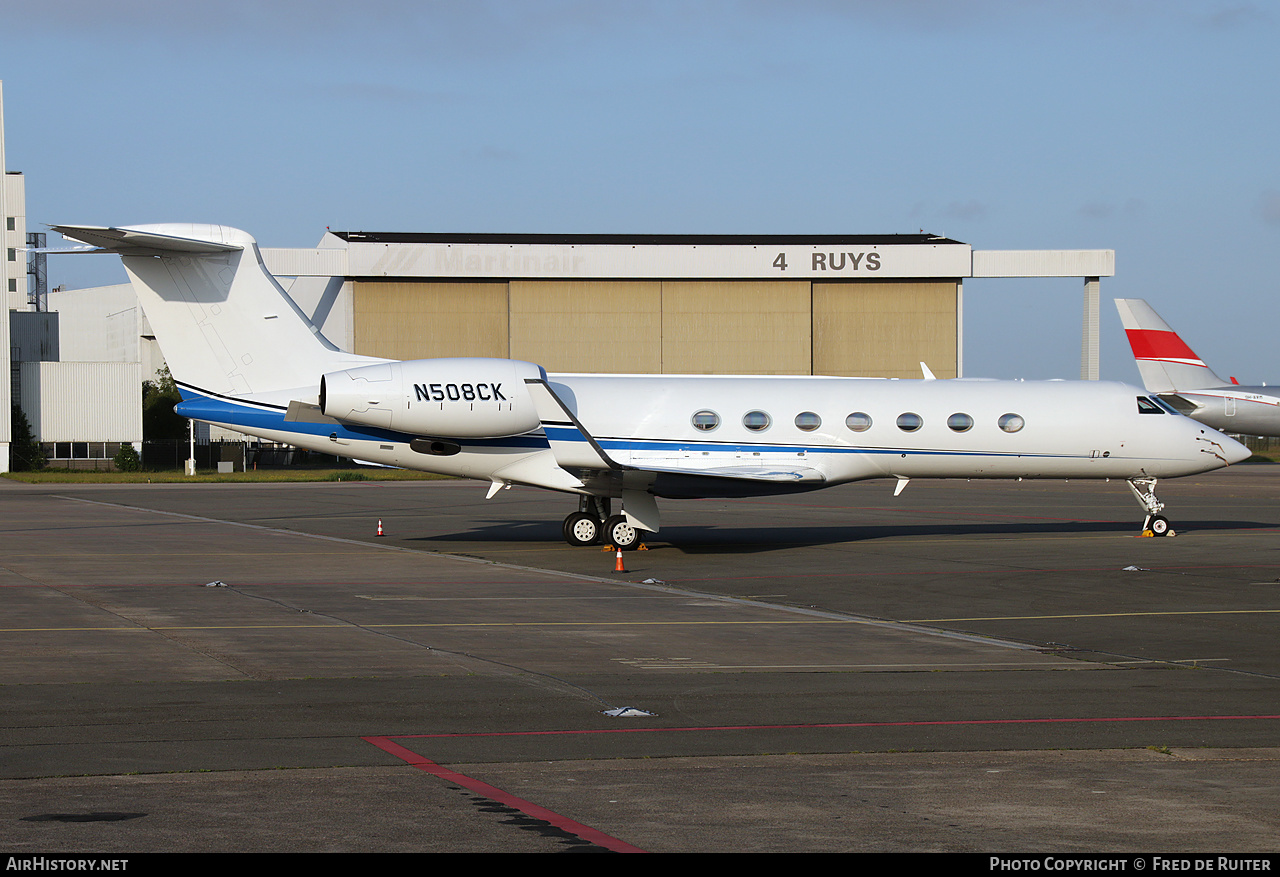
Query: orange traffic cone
617	564
379	533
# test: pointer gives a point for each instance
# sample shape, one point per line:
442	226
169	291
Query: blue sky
1141	126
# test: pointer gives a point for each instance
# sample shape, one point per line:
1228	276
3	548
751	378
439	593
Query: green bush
127	459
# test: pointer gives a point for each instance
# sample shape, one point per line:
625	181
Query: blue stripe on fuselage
251	418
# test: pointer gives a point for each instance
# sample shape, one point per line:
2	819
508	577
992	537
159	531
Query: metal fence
172	454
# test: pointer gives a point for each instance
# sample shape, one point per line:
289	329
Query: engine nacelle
460	398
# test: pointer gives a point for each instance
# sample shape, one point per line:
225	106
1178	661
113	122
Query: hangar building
867	305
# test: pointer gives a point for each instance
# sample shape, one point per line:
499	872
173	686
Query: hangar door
884	329
430	320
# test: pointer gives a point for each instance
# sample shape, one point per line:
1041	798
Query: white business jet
1172	370
245	357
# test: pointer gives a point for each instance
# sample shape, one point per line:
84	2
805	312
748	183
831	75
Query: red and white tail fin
1166	363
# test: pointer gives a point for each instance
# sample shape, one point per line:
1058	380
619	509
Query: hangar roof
396	237
460	255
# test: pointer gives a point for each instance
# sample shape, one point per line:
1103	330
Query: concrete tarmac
970	666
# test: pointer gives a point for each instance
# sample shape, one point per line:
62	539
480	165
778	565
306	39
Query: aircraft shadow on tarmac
774	537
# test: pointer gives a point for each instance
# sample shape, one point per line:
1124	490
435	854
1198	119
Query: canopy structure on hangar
869	305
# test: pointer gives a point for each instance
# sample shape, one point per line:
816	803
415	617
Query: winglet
928	375
570	442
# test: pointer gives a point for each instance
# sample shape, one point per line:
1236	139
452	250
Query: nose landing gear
1155	523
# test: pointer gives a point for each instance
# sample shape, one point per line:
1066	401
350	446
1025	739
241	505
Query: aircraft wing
578	451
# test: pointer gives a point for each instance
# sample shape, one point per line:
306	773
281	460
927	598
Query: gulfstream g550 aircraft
246	357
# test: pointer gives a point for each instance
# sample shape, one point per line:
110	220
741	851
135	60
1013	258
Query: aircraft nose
1234	451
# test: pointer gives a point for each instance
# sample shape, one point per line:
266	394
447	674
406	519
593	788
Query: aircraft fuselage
1237	409
737	436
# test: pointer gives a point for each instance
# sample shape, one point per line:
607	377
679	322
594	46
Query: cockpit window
1146	406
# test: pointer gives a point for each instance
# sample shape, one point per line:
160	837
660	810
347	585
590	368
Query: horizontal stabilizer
137	242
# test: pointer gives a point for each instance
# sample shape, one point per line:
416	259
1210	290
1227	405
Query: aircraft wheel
621	534
581	529
1159	525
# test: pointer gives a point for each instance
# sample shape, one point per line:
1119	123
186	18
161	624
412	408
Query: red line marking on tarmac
586	832
599	838
980	571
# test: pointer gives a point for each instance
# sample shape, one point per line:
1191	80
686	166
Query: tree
25	453
158	418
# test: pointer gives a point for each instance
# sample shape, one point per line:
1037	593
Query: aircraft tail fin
225	326
1166	363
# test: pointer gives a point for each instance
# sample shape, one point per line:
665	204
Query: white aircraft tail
1166	363
225	326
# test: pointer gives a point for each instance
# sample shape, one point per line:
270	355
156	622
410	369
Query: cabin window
1146	406
756	421
858	421
706	420
1011	422
808	421
910	421
960	422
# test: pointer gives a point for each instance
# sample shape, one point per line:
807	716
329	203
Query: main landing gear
1145	490
592	523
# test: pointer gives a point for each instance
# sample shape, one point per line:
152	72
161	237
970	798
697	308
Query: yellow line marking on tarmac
141	627
1094	615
